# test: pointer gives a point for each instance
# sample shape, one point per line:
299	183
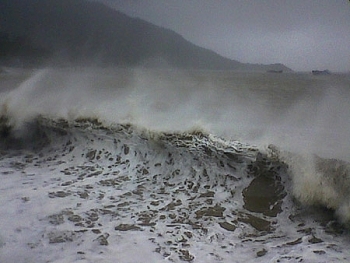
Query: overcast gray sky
302	34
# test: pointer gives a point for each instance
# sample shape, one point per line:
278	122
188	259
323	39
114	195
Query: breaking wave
312	180
141	160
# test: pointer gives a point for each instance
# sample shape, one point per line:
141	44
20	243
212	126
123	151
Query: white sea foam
295	112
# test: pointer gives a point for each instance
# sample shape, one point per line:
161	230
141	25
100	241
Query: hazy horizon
303	35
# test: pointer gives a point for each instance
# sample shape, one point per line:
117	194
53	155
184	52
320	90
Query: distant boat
275	71
321	72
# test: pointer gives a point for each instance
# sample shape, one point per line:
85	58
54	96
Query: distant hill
90	33
20	51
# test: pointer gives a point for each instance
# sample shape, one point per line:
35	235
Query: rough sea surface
116	165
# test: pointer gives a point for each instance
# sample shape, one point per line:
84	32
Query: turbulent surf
134	165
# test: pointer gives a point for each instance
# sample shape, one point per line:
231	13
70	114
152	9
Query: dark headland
85	33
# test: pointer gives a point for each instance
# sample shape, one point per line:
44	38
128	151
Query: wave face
172	166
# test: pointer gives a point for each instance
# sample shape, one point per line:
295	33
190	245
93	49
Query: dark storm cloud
303	34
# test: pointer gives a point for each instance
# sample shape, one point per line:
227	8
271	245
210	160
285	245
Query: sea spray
319	181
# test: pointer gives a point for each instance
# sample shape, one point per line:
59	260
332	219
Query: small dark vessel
321	72
275	71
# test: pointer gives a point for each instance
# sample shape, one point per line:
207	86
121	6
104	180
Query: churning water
134	165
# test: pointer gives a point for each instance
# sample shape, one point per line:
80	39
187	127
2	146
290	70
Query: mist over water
297	112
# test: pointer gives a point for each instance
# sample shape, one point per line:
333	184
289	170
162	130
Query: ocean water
135	165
